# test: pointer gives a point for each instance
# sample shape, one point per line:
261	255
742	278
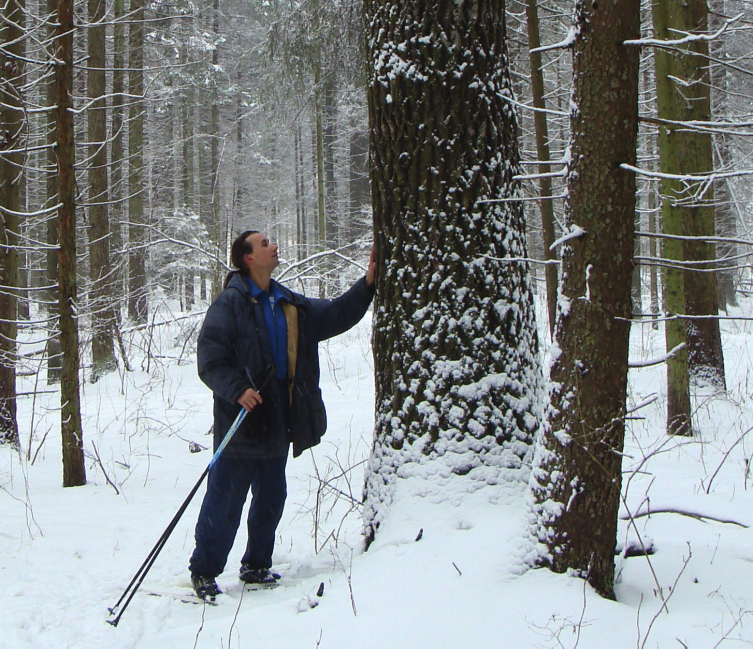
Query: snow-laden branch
682	512
325	253
659	359
168	239
699	125
552	174
533	109
527	260
148	325
47	210
688	38
560	161
689	178
521	199
567	42
642	404
683	237
575	232
652	319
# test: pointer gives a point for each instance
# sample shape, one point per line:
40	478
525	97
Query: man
257	331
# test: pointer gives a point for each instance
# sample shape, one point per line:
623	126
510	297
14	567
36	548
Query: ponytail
238	251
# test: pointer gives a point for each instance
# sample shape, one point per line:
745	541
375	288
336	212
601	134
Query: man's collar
274	288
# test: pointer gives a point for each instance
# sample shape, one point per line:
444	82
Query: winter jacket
234	348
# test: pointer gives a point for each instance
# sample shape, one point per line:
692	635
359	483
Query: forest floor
67	554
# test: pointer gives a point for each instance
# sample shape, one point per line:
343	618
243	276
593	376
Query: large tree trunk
577	472
137	293
100	270
455	344
12	137
74	473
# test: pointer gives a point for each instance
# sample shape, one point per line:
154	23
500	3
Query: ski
254	587
186	598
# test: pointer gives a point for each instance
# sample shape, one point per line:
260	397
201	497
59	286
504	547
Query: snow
69	553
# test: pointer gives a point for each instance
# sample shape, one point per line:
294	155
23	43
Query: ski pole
141	573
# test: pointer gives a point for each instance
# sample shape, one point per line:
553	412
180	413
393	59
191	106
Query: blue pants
229	481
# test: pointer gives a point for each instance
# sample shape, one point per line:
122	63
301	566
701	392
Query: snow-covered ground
67	554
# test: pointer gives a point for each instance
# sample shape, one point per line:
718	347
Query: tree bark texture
455	344
12	136
74	473
683	94
577	471
101	272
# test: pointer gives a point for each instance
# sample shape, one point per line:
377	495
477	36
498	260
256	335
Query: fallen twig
700	517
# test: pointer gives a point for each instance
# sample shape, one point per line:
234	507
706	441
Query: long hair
238	251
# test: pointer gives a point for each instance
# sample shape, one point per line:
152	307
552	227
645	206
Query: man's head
252	251
262	254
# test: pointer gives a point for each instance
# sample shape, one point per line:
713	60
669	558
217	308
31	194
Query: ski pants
230	479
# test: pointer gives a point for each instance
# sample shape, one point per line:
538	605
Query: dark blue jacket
233	346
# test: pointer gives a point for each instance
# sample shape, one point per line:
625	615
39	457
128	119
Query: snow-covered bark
576	476
455	346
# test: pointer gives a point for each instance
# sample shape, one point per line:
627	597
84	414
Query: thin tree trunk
576	478
12	162
678	378
74	473
299	188
53	351
137	293
682	94
546	206
705	359
240	191
358	184
653	253
216	228
100	269
329	136
320	183
117	192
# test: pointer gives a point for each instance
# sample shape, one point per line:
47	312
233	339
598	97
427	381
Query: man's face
264	255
